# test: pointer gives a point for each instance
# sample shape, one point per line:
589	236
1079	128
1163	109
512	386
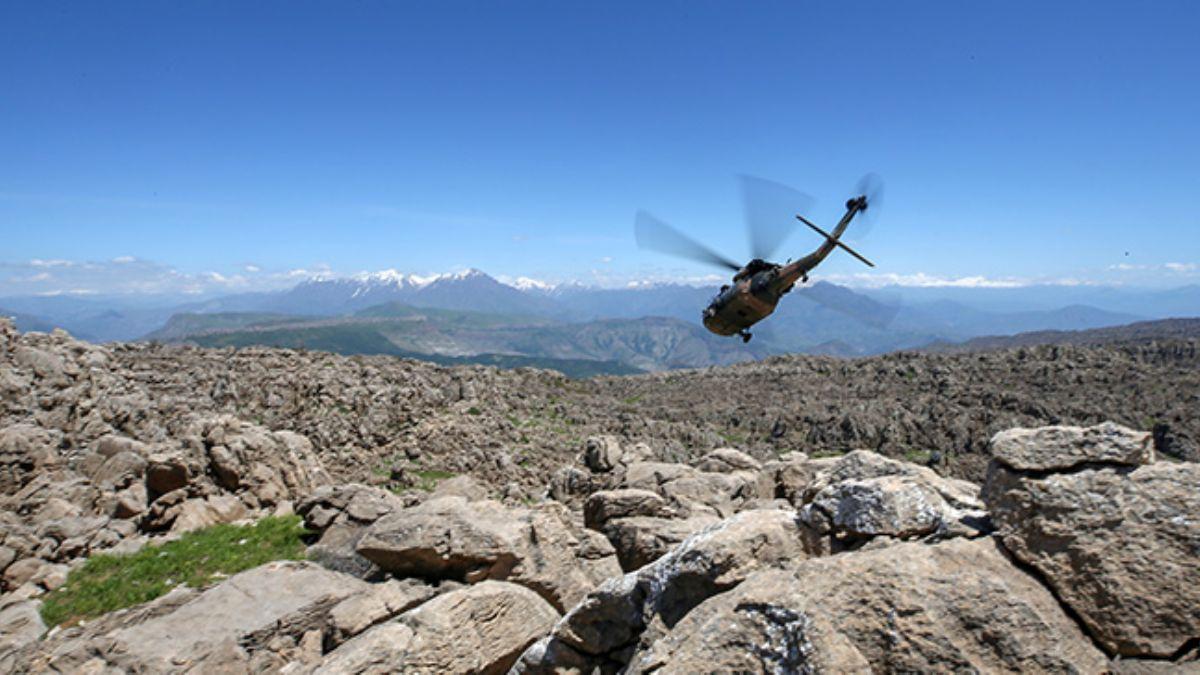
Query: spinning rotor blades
770	210
871	187
654	234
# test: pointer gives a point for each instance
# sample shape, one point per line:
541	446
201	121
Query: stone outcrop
478	629
339	515
863	496
1118	543
1062	447
451	538
641	605
957	606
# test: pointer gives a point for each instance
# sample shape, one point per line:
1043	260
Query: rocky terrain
1031	509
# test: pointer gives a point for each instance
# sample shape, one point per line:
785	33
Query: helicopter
758	286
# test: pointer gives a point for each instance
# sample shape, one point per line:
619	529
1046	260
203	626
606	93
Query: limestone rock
25	451
478	629
607	505
357	613
340	515
1063	447
602	453
889	505
451	538
957	606
640	540
447	538
644	604
273	466
863	495
167	472
195	514
20	624
1119	546
726	460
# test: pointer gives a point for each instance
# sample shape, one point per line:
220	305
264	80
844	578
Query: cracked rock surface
1119	544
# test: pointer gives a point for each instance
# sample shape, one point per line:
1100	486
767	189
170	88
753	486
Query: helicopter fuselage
748	300
757	287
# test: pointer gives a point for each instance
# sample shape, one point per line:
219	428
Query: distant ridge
1139	332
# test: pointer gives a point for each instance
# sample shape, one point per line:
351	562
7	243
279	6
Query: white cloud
1180	267
923	280
252	269
128	275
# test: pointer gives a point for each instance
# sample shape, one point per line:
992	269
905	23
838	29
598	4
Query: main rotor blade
769	208
654	234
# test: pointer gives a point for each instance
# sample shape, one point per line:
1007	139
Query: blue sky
1019	141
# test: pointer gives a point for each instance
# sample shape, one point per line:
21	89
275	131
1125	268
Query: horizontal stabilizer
835	241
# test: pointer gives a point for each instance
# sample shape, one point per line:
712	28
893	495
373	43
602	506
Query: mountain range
472	317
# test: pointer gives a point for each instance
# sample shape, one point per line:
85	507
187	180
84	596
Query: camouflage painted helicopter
758	285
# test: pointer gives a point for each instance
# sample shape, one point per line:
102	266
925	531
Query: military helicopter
758	285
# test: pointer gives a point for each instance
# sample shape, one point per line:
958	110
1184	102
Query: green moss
110	582
474	411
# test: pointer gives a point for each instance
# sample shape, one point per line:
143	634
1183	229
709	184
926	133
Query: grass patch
427	480
110	582
917	456
733	438
474	411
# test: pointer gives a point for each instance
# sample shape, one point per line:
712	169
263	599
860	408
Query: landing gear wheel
745	336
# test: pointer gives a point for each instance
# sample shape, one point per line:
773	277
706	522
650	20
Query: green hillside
366	338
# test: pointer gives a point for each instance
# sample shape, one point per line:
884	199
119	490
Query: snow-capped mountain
470	290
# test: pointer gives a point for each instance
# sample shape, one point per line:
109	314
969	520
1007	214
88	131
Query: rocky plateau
1035	509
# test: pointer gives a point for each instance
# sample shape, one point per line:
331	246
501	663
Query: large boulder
727	460
642	605
690	490
451	538
340	515
445	538
640	540
478	629
1063	447
1119	545
607	505
269	467
957	606
863	496
602	453
26	450
889	505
